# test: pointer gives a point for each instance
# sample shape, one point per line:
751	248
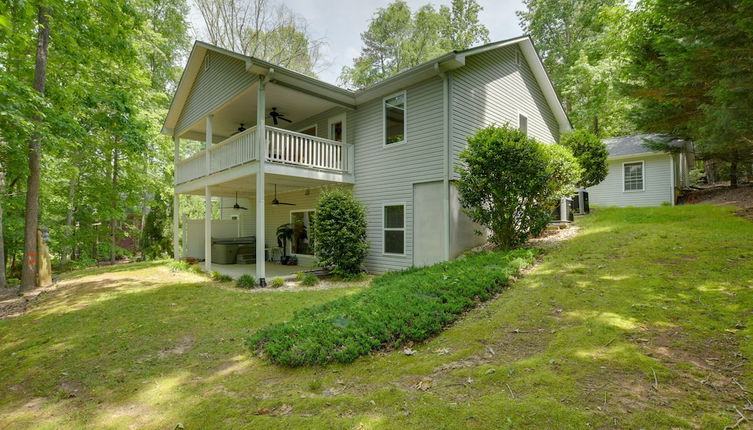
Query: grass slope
574	344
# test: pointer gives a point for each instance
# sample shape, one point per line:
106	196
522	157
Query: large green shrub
510	183
591	154
409	305
339	230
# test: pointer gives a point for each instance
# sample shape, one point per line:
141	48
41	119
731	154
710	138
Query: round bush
591	154
510	183
340	233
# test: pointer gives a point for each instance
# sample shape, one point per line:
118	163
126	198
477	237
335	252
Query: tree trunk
113	220
596	125
69	221
3	277
29	268
733	173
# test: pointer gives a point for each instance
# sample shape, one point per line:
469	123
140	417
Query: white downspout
446	162
208	200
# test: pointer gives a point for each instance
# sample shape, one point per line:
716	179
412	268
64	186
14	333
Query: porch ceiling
295	105
246	186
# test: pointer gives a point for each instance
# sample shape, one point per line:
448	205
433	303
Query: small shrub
178	266
219	277
510	183
196	268
299	276
309	280
245	281
339	232
315	385
277	282
409	305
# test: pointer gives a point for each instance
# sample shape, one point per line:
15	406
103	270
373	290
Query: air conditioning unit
564	211
580	202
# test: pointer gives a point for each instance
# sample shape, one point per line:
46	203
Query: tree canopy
398	38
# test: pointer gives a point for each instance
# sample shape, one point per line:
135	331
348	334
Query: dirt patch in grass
741	197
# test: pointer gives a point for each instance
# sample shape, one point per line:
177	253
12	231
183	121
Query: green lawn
643	320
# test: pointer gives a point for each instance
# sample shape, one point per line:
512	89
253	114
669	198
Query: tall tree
691	65
398	38
582	43
262	29
29	271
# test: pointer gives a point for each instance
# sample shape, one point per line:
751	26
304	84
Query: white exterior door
428	244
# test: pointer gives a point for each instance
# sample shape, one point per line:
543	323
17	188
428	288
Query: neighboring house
394	144
639	176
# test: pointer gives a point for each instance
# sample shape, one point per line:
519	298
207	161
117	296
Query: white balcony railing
283	147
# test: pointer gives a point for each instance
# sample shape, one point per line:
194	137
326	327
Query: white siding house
640	176
395	144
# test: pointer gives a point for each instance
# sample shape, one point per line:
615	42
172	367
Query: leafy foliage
409	305
398	38
245	281
277	282
690	64
309	280
583	45
591	154
510	183
339	230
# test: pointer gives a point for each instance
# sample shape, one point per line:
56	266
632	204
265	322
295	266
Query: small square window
394	119
633	176
523	123
394	229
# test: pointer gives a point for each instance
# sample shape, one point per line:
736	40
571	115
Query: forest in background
85	85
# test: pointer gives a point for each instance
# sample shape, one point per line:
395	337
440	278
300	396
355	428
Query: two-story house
273	138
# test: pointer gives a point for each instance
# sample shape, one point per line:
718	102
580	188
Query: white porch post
208	201
262	151
207	229
176	203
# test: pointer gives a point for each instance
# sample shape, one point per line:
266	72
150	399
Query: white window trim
384	229
292	211
643	176
405	121
528	121
316	129
335	119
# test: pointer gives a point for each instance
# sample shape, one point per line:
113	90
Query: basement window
394	229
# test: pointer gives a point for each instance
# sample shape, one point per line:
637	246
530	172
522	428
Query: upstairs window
394	229
337	128
394	119
523	123
632	176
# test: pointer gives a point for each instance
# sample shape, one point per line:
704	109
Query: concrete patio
274	270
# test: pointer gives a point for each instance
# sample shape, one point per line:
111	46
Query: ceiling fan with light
277	115
276	202
236	205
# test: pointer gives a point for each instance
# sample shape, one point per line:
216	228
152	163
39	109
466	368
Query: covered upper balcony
294	142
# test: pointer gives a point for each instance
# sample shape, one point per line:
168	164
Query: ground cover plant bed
405	306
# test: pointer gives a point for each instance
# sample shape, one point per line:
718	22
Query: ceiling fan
276	202
236	205
277	115
241	129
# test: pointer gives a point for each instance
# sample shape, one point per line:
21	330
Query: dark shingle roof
634	144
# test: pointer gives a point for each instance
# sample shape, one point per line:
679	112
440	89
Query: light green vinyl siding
220	79
657	183
491	89
385	175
